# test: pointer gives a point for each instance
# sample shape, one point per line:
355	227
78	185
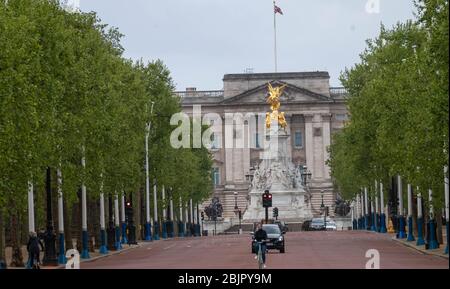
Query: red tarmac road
304	250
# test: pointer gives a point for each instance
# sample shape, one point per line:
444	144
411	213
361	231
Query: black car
306	226
275	238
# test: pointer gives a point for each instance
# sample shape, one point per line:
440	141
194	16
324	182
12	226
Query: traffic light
128	211
203	216
267	200
275	213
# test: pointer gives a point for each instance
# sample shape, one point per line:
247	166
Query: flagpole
275	35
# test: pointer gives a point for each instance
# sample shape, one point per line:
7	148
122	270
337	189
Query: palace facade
313	110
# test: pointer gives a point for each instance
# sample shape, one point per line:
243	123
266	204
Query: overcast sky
201	40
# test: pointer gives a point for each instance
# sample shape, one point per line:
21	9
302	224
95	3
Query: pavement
436	252
304	250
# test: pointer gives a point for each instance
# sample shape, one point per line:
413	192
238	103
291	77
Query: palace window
341	117
214	142
298	140
257	144
216	177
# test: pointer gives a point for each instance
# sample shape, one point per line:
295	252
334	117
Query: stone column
326	137
309	143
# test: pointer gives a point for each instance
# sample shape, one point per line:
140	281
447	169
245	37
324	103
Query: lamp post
170	223
123	219
237	212
62	253
402	225
432	241
383	228
180	220
148	226
305	174
164	214
410	215
50	237
446	189
155	213
420	223
322	208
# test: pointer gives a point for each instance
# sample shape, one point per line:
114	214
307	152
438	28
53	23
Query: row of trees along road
67	93
398	104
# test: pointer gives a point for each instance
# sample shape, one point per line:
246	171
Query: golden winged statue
274	101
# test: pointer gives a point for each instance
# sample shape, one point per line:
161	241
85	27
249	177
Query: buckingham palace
313	112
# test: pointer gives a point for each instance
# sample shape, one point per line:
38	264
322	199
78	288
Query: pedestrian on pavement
34	251
261	236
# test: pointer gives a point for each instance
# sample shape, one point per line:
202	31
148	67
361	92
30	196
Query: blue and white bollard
148	231
410	230
432	243
170	229
103	248
420	240
420	223
188	229
401	229
85	250
401	234
156	231
366	222
118	244
378	218
374	220
181	229
410	212
446	248
124	233
372	216
84	234
62	252
383	228
164	230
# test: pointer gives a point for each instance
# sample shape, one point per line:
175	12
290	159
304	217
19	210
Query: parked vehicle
317	224
306	226
331	225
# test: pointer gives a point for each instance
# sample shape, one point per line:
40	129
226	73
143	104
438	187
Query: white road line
166	248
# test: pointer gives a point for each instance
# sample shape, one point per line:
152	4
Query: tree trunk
67	227
2	238
439	228
17	257
80	226
137	213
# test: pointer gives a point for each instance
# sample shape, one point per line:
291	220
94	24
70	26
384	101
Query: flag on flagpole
278	10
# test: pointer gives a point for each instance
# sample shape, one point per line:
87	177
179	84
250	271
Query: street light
237	211
323	209
305	174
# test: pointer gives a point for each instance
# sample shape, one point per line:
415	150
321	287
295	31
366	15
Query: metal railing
208	93
338	91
